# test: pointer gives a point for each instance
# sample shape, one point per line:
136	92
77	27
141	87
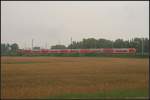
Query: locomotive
80	51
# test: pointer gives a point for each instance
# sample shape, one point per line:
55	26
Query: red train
82	51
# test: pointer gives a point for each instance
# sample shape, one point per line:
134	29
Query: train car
82	51
118	50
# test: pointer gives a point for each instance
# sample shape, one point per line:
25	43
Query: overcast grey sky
55	22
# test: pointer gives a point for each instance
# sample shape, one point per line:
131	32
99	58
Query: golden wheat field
41	77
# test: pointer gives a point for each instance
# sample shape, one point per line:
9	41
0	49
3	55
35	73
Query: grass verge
112	94
88	55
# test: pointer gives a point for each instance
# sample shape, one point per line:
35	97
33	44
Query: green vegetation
111	94
137	43
118	43
91	55
58	47
7	49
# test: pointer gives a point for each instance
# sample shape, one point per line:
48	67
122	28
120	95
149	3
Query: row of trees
141	44
138	43
9	49
58	47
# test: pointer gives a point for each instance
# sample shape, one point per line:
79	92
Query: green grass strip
112	94
88	55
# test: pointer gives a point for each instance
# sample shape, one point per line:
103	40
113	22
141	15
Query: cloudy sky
53	22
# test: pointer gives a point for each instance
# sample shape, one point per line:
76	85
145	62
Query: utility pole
32	44
46	45
59	42
112	44
95	43
142	46
25	46
95	40
71	43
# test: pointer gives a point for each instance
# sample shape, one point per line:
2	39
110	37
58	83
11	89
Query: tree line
9	49
89	43
138	43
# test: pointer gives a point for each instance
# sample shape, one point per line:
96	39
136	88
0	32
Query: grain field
42	77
